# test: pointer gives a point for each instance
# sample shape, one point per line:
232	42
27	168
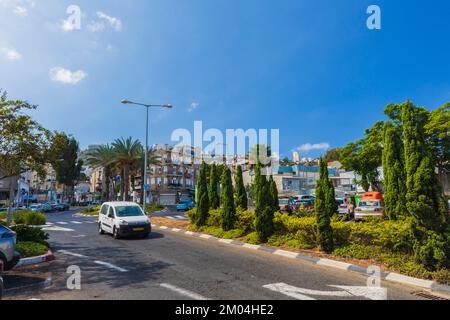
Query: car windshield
129	211
340	201
284	201
369	204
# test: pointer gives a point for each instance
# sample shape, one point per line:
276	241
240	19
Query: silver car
9	257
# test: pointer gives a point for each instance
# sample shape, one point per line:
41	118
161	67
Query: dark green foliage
273	192
423	197
394	172
263	206
30	218
322	208
30	234
241	200
332	155
214	202
201	215
228	217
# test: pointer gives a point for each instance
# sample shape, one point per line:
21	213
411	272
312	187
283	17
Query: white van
123	219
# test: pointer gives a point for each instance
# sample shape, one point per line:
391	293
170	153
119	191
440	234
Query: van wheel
116	233
100	229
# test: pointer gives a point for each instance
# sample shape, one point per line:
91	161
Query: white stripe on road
63	223
76	222
183	292
72	254
287	290
57	229
109	265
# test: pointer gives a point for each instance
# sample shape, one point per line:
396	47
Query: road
171	266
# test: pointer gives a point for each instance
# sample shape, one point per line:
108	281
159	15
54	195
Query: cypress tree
228	211
423	196
263	206
393	172
201	215
323	206
273	191
241	200
213	186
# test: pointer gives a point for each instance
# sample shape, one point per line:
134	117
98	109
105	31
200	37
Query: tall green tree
23	143
127	152
102	157
214	201
423	197
364	157
241	199
228	210
201	215
322	209
394	172
273	192
63	156
332	155
263	206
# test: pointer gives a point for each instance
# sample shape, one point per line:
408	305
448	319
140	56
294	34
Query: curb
36	260
388	276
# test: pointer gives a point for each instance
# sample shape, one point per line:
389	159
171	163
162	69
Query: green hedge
30	218
31	249
91	210
30	234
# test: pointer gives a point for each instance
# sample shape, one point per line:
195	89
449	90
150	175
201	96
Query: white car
369	208
123	219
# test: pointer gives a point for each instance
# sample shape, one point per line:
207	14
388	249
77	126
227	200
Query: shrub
214	218
30	234
433	252
31	249
30	218
91	210
245	220
252	238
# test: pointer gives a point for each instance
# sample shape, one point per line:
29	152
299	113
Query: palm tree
102	157
127	153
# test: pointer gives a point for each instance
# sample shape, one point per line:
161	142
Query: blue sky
309	68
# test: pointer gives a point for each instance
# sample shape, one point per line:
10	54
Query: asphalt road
174	267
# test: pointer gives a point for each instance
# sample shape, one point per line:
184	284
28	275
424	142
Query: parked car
36	208
1	286
306	204
123	219
343	206
286	204
47	207
9	257
185	205
61	207
305	197
371	205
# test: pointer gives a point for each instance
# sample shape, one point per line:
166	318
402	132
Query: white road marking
372	293
61	222
75	222
183	292
57	229
80	236
182	217
109	265
72	254
287	290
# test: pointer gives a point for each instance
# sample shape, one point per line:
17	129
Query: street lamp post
147	106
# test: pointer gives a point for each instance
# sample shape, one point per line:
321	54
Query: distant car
285	204
9	257
47	207
62	207
369	208
305	197
185	205
36	208
123	219
343	206
306	204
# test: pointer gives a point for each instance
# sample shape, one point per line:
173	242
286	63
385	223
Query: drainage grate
428	295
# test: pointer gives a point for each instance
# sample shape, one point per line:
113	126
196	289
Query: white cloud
311	147
193	106
65	76
20	11
10	53
96	27
114	22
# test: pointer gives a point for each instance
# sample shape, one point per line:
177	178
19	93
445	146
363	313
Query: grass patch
31	249
91	211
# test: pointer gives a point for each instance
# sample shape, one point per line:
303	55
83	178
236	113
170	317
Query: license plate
138	229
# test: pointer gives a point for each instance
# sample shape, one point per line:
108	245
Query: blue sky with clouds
309	68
